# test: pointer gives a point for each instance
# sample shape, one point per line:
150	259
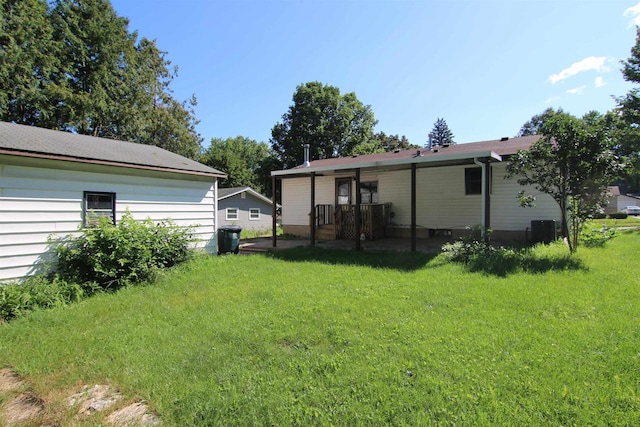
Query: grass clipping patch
26	408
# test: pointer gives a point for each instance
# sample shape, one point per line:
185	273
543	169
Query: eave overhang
392	164
29	154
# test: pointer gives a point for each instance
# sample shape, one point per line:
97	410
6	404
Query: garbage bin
229	239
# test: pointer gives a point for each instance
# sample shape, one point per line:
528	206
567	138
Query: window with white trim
96	205
232	214
254	214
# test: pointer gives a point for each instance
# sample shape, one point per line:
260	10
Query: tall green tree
628	128
242	159
75	66
380	142
573	162
440	135
96	58
28	63
534	125
332	124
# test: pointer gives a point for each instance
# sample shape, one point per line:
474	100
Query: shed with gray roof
55	183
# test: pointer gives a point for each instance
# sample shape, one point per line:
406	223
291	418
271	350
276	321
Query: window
232	214
369	192
473	180
254	214
343	191
97	205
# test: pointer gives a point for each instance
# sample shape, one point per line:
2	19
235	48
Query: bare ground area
19	406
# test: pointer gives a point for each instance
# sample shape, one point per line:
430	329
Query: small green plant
127	253
36	292
596	237
474	244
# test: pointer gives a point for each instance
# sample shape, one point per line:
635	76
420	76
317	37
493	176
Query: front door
343	191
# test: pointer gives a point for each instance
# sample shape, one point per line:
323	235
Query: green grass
630	221
313	337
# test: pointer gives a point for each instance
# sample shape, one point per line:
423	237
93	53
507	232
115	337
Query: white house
244	207
412	193
55	182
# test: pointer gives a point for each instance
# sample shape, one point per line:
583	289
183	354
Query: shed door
343	191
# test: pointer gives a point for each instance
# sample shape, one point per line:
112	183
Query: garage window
254	214
97	205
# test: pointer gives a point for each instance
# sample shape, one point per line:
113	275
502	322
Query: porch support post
413	207
487	199
274	212
312	217
357	215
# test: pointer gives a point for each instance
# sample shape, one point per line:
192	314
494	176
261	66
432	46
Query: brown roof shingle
502	147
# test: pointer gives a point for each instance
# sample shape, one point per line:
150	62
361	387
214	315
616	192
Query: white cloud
576	90
600	81
552	100
597	63
634	13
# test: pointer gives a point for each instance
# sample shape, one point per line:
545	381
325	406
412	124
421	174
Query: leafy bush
127	253
597	237
618	215
469	247
464	251
36	292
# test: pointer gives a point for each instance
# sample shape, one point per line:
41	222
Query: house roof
439	156
224	193
31	141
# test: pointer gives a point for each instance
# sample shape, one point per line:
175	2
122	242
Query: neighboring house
245	207
54	183
413	193
614	195
625	200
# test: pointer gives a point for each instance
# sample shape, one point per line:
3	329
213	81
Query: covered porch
364	217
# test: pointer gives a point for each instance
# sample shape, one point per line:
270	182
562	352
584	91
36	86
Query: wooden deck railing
325	215
343	217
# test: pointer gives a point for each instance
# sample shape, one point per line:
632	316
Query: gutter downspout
215	214
484	198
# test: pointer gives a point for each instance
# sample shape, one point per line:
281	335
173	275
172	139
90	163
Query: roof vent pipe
306	163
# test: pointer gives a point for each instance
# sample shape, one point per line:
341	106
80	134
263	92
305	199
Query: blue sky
485	67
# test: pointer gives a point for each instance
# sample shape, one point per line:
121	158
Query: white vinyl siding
296	201
36	202
506	212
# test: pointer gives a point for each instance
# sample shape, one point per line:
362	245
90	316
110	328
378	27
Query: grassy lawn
313	337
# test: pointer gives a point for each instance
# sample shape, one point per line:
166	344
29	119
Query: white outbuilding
55	183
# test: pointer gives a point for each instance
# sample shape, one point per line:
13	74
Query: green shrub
464	251
36	292
470	246
127	253
596	237
618	215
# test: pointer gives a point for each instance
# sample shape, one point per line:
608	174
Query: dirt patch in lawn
22	407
